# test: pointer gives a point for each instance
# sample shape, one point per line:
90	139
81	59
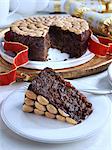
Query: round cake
66	33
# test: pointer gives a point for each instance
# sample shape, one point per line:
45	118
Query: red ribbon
20	59
102	48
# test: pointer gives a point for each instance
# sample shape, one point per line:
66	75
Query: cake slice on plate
50	95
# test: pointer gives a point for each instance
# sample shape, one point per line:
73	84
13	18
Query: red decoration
20	59
103	48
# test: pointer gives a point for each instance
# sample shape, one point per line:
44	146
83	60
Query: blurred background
29	7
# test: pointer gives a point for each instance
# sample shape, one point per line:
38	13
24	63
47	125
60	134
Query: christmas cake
66	33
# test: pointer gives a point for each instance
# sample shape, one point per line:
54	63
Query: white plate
57	59
110	73
42	129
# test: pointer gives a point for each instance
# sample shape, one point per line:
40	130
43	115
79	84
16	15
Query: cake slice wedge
50	95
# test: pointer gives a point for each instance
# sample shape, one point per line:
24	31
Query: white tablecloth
100	141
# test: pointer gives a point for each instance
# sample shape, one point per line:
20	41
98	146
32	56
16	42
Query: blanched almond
31	95
51	109
29	102
49	115
42	100
60	118
71	121
36	111
63	113
40	107
27	108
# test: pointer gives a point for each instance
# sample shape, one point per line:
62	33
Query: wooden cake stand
95	65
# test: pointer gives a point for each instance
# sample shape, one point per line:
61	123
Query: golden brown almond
31	95
23	24
42	100
29	102
39	33
23	28
37	111
40	107
51	109
14	27
27	108
71	121
29	20
77	31
60	118
32	34
32	26
40	25
63	113
49	115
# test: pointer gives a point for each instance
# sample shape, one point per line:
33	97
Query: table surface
100	141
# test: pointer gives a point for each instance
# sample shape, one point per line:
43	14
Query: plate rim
44	140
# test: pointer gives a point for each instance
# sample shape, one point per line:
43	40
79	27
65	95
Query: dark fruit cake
66	33
50	95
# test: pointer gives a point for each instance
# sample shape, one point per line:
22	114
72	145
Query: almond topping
39	112
31	95
63	113
27	108
60	118
40	107
52	109
71	121
49	115
29	102
42	100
